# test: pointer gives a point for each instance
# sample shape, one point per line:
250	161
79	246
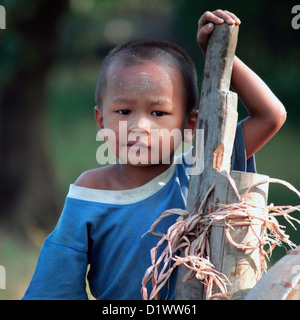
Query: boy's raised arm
266	112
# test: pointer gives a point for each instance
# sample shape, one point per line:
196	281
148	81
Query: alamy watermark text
296	19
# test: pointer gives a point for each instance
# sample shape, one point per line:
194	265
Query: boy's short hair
144	50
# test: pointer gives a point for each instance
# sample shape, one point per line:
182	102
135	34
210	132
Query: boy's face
144	105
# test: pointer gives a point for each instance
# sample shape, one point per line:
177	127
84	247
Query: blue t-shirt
104	228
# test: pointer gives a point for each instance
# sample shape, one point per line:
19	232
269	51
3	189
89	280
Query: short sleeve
239	159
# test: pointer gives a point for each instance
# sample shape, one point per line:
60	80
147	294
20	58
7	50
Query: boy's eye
124	112
158	113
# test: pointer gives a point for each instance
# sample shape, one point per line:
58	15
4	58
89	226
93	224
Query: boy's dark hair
141	51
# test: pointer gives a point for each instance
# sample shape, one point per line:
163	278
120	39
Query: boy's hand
266	112
207	23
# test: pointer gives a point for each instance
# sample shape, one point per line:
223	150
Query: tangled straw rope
190	235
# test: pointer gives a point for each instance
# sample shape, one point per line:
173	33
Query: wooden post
218	118
242	267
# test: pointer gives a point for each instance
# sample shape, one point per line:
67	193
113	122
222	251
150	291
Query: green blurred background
51	53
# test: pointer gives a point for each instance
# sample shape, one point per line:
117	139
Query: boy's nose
140	126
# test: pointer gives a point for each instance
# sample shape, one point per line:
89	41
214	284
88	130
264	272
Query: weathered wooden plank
217	110
218	118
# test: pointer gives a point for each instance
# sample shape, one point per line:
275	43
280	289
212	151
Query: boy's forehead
139	77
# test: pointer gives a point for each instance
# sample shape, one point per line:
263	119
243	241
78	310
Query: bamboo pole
242	267
218	118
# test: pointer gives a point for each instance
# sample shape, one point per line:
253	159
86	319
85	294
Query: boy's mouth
138	144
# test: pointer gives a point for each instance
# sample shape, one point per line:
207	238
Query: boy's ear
192	122
191	126
99	118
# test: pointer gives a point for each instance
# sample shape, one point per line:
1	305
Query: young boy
146	85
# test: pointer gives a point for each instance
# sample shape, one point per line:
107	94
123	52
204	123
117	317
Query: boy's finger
233	16
205	31
209	17
203	34
225	16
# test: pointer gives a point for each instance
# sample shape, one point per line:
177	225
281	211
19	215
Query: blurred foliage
267	43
